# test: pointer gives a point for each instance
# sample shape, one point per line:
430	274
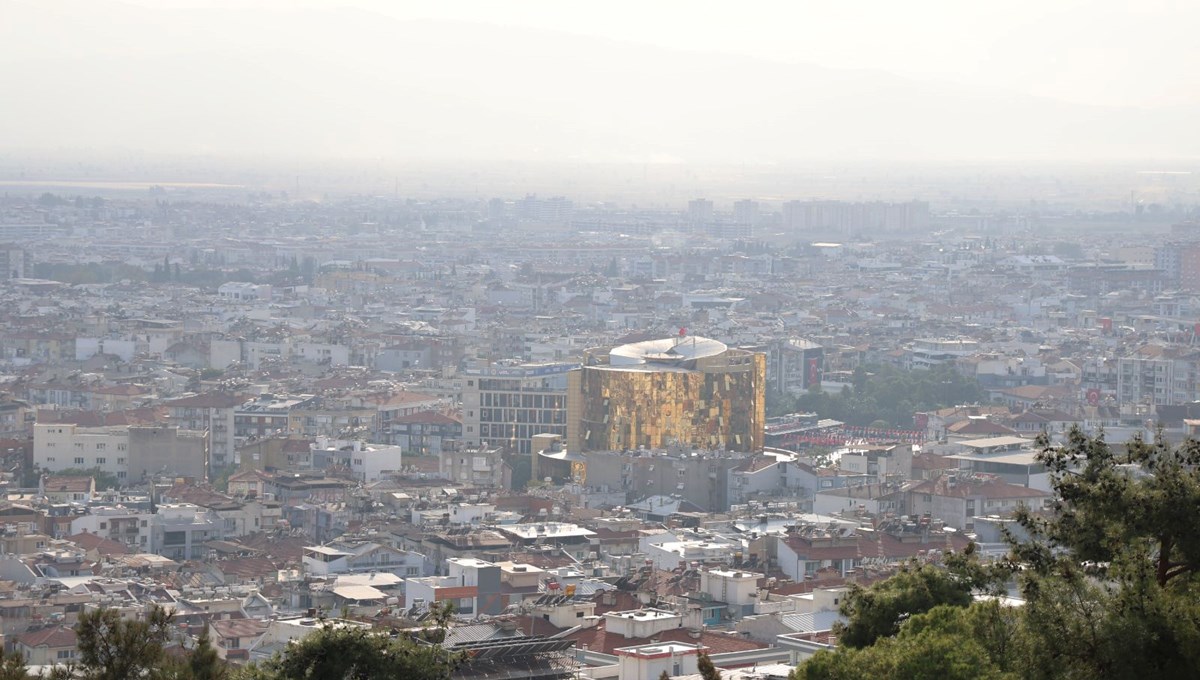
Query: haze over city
691	83
663	340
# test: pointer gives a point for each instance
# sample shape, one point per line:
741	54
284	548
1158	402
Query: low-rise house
59	489
356	558
48	646
958	499
233	638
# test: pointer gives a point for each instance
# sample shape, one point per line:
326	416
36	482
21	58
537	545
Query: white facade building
62	446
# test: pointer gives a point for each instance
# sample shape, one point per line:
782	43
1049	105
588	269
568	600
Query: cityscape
607	415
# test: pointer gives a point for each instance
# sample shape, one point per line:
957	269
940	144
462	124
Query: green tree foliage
114	648
203	663
945	643
104	480
1124	509
1109	579
12	666
664	676
878	611
707	670
353	653
885	393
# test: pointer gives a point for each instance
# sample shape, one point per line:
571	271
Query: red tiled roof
979	426
878	544
196	495
80	418
992	489
105	546
429	418
247	567
57	636
932	461
239	628
536	625
623	601
250	475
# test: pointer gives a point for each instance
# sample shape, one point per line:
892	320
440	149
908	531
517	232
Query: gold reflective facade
715	402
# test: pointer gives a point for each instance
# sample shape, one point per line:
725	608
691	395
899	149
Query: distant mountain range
346	83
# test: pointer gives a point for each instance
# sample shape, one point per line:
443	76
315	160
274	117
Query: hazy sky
668	81
1108	52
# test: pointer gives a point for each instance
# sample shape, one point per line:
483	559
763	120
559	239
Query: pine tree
707	670
204	662
113	648
12	666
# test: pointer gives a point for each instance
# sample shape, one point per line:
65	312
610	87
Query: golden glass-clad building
688	390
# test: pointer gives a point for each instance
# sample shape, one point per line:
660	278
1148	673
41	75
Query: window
120	461
79	461
101	461
65	653
101	447
104	525
121	474
121	447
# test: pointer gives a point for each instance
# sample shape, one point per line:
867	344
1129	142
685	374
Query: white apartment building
372	463
651	661
738	589
128	453
1159	375
62	446
508	405
129	526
